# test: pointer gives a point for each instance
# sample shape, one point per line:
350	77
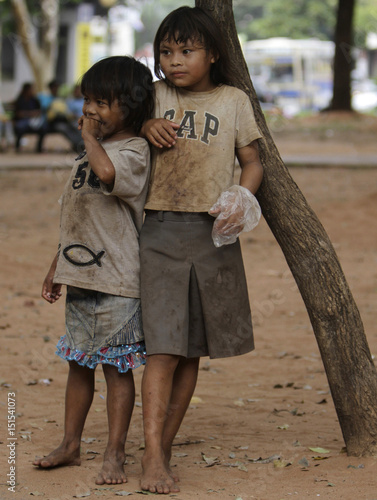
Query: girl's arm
99	161
252	170
160	132
235	210
51	291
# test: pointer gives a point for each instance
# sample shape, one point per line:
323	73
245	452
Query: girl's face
187	64
111	118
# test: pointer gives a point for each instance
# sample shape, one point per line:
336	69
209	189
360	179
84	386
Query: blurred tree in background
286	18
34	24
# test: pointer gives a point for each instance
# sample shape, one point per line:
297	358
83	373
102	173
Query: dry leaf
261	460
210	461
239	402
281	464
319	450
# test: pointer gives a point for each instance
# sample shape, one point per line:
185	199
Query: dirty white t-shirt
100	224
190	176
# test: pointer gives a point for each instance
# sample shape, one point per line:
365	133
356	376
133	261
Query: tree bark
41	56
343	60
314	264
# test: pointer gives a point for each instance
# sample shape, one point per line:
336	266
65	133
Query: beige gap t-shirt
190	176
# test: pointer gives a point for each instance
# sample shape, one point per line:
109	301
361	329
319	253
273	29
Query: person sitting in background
28	116
75	103
59	117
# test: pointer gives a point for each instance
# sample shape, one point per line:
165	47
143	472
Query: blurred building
88	31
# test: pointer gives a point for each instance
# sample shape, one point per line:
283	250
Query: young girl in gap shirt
194	294
98	257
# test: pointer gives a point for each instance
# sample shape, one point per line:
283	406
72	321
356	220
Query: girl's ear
214	58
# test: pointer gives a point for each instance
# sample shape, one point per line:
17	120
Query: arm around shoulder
160	132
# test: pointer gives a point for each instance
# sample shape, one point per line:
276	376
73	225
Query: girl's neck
120	135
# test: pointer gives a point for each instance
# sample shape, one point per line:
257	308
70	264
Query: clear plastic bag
236	211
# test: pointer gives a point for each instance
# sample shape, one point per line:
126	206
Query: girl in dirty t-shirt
98	257
193	289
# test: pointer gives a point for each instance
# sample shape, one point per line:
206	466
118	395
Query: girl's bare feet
156	478
112	471
63	455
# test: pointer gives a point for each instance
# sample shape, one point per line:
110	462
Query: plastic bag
236	210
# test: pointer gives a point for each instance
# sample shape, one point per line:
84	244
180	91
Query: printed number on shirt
80	177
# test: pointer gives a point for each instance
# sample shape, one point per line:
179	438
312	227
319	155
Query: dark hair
126	80
26	87
53	83
195	24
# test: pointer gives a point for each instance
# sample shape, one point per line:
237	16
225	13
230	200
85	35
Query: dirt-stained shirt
100	224
190	176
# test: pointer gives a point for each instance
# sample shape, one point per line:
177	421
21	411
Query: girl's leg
78	399
157	390
120	403
184	383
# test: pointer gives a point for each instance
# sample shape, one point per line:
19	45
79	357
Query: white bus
298	72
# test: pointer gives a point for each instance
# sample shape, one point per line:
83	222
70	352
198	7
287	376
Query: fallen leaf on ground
238	402
195	400
281	464
303	462
261	460
88	440
210	461
319	450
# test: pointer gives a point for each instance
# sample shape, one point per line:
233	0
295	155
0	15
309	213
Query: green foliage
365	21
153	12
294	19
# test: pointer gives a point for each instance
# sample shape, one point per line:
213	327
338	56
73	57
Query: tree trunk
311	257
41	56
343	60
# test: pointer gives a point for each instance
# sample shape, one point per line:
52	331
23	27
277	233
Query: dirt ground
261	426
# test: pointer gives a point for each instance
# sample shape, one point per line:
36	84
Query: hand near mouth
90	126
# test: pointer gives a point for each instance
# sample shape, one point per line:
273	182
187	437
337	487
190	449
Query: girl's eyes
167	52
99	102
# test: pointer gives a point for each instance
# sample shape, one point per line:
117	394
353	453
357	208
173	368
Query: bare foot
168	467
112	471
171	473
59	457
156	478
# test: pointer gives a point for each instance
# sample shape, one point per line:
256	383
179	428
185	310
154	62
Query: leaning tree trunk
343	59
38	39
311	257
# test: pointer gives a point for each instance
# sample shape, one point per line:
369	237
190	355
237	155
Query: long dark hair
195	24
126	80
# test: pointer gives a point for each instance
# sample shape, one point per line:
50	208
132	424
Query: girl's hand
51	291
231	222
160	132
90	126
236	210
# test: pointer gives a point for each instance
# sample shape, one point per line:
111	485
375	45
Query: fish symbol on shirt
75	254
